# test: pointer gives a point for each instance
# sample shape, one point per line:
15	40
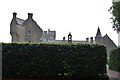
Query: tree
115	11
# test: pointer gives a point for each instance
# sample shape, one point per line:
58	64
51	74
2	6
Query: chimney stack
63	39
91	40
14	15
30	15
87	39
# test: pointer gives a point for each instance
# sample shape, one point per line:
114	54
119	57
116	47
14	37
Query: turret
98	37
98	34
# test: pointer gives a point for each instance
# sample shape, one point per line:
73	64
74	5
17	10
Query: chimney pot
14	15
30	15
91	39
87	39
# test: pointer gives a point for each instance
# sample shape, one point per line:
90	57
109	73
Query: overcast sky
80	17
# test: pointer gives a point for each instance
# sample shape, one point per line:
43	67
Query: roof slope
108	42
98	34
20	21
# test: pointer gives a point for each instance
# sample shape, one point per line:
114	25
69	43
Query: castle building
104	40
28	30
48	36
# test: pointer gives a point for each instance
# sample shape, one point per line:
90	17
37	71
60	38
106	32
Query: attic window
29	33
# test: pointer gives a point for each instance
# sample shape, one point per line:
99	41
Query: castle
29	31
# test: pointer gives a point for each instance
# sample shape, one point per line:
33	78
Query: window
29	33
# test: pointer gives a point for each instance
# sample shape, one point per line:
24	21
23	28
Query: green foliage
40	60
116	15
114	61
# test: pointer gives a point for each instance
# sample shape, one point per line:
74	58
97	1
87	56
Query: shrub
58	60
114	61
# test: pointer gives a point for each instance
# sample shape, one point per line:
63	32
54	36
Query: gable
108	42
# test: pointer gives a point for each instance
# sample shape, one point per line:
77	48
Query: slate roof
20	21
98	33
109	41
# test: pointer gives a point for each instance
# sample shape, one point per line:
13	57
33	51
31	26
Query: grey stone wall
25	30
99	40
21	33
33	32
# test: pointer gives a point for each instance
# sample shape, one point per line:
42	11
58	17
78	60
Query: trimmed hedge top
38	60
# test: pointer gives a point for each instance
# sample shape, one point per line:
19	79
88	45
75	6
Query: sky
80	17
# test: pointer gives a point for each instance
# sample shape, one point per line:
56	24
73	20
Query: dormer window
29	33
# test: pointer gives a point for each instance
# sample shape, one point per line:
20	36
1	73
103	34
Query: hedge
114	61
53	60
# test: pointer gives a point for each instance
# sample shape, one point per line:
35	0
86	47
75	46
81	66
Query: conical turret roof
98	34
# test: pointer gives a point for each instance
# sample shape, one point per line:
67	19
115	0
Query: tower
98	37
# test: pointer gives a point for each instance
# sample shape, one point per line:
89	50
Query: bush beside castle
114	61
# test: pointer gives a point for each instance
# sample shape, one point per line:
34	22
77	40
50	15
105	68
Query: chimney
45	32
91	40
63	39
14	15
30	15
87	39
